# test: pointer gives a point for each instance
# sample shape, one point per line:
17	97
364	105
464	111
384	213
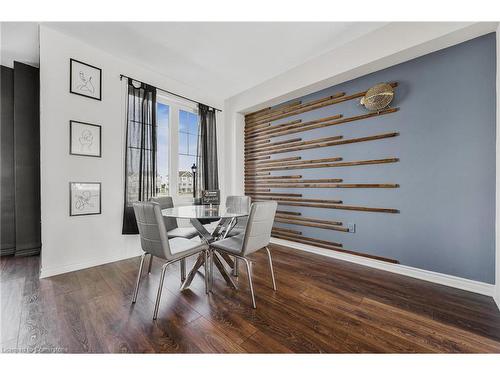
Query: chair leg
249	272
160	287
150	262
207	275
134	298
183	270
212	255
235	267
271	267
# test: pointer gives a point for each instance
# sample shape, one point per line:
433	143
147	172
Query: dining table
226	218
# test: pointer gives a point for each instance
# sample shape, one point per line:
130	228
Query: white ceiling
19	42
224	58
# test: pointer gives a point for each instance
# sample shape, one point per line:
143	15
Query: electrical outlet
351	227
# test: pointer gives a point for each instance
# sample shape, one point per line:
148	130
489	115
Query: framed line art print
85	79
84	198
84	139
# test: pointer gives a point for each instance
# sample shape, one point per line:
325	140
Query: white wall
387	46
71	243
497	291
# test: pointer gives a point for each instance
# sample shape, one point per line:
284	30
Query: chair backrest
259	226
238	203
154	238
166	202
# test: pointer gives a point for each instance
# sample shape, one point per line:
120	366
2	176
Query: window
177	142
188	144
162	149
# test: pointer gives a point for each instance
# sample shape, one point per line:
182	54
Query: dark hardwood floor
322	305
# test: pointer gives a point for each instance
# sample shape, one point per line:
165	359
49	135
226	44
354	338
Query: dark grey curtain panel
8	226
208	173
20	187
140	153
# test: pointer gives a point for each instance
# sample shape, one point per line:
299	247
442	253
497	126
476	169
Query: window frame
175	106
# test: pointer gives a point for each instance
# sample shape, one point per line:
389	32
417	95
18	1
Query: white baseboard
47	272
417	273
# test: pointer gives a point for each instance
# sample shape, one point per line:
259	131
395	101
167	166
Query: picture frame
84	198
85	139
85	79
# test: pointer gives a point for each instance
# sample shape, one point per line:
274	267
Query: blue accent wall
446	171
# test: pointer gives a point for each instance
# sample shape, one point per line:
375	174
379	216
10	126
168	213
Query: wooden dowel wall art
319	143
298	129
292	162
310	200
314	242
291	181
266	164
285	231
256	129
280	194
276	131
298	110
329	243
264	178
259	158
333	99
288	213
292	158
269	110
324	165
330	186
309	219
314	225
289	202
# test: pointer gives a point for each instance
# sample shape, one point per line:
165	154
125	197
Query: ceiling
224	58
19	42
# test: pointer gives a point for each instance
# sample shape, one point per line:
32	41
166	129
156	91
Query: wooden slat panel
330	243
268	132
294	162
280	194
270	129
300	109
290	202
314	242
256	129
314	225
286	230
288	213
299	129
317	143
329	186
311	219
262	178
296	145
325	201
268	110
272	146
259	158
334	99
292	158
250	182
327	165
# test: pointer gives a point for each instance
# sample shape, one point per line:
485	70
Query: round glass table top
202	212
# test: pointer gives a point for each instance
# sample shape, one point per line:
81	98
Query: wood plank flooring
322	306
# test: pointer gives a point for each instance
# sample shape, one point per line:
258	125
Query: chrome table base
223	227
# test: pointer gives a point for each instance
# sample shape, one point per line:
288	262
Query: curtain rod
169	92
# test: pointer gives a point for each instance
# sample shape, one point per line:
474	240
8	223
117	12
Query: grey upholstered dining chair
238	203
256	236
173	230
155	241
